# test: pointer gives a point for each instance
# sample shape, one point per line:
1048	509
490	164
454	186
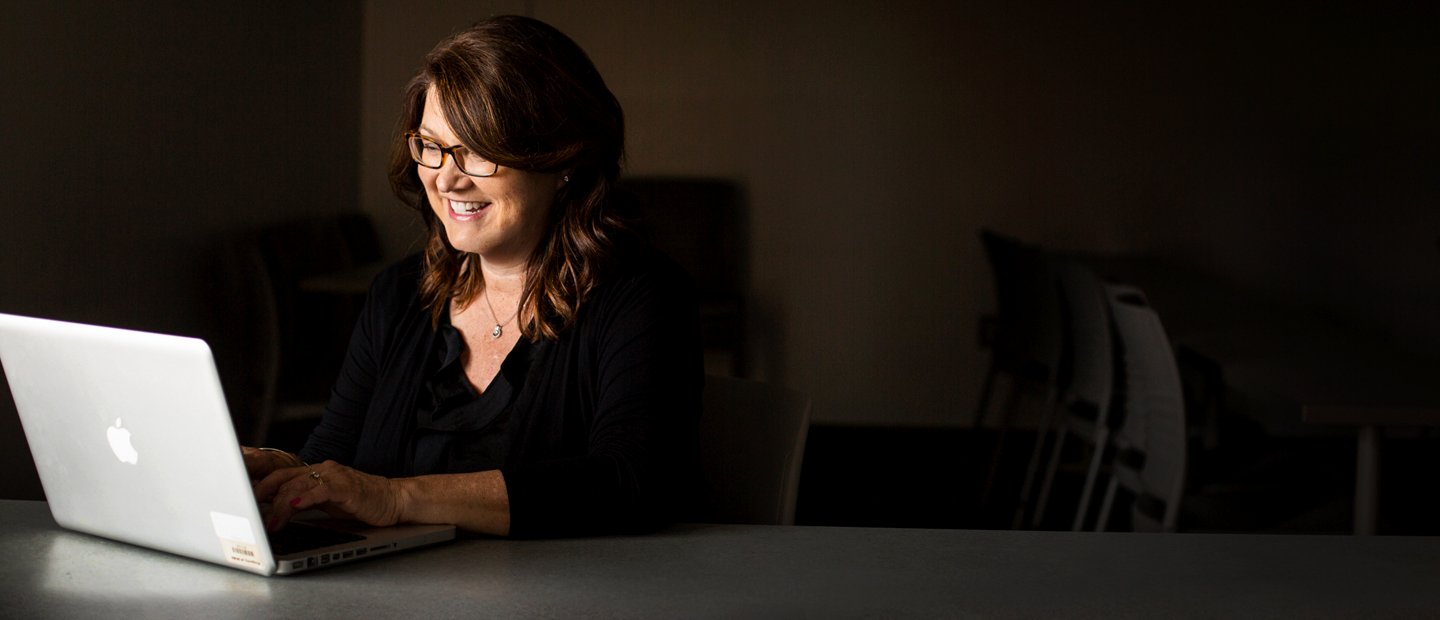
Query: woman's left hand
338	490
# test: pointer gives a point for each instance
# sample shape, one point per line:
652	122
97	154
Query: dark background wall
1283	146
137	136
1287	147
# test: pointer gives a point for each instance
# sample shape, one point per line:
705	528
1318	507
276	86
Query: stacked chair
1098	357
1085	405
1024	333
1024	341
1150	445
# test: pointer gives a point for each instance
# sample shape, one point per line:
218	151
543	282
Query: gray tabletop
734	571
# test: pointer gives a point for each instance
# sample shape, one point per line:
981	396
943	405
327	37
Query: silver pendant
495	333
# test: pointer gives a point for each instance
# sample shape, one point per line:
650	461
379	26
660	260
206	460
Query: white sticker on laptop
237	539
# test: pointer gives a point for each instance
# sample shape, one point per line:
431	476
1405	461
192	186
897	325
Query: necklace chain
498	330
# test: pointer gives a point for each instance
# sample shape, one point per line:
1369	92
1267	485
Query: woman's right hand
259	463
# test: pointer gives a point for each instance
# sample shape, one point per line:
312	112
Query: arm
260	462
475	501
478	501
338	433
638	442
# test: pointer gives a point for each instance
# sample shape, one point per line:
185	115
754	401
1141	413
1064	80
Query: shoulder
645	293
398	281
404	272
394	295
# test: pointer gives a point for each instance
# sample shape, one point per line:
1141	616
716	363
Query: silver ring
316	475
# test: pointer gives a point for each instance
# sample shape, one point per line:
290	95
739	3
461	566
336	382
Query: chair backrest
287	345
752	440
1151	460
248	356
700	222
1089	368
314	329
1027	307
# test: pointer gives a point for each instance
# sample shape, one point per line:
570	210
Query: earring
565	179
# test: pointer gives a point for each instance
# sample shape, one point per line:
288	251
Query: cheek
539	197
427	179
432	194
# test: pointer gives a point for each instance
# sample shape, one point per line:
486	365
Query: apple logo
120	443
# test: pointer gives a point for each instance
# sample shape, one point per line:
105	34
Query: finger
300	493
316	495
252	463
287	501
268	486
266	489
257	467
353	494
316	487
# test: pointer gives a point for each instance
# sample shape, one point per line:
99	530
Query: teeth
466	207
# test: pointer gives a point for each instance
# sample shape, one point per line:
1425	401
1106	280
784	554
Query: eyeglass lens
430	154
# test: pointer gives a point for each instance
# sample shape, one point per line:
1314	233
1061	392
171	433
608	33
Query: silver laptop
133	442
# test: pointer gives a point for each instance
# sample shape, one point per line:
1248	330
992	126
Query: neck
502	278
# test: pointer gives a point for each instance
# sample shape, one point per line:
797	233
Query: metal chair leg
1048	420
1097	456
1050	469
1106	504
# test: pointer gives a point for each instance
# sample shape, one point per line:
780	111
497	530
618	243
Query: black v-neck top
457	429
594	432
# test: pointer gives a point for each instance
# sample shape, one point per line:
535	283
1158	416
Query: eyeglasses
428	152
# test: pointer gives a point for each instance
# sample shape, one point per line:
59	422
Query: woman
536	371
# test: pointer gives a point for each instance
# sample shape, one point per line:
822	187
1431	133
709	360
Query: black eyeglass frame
445	151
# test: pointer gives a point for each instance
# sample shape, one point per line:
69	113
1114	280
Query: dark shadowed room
884	309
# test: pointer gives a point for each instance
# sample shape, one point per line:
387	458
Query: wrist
289	459
403	491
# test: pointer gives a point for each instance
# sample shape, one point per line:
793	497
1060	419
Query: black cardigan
602	427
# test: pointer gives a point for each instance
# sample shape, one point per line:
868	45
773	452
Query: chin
462	240
467	246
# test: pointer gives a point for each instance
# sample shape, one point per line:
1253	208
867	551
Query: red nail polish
294	502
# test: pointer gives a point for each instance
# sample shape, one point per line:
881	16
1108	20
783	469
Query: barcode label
240	553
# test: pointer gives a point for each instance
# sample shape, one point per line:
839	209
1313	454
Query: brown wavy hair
520	93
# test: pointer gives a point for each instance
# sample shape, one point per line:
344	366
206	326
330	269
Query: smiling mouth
467	208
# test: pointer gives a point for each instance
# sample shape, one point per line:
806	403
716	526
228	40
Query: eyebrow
430	133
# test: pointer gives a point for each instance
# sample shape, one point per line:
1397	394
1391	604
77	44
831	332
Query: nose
449	177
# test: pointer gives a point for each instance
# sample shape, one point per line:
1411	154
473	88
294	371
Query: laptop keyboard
298	537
